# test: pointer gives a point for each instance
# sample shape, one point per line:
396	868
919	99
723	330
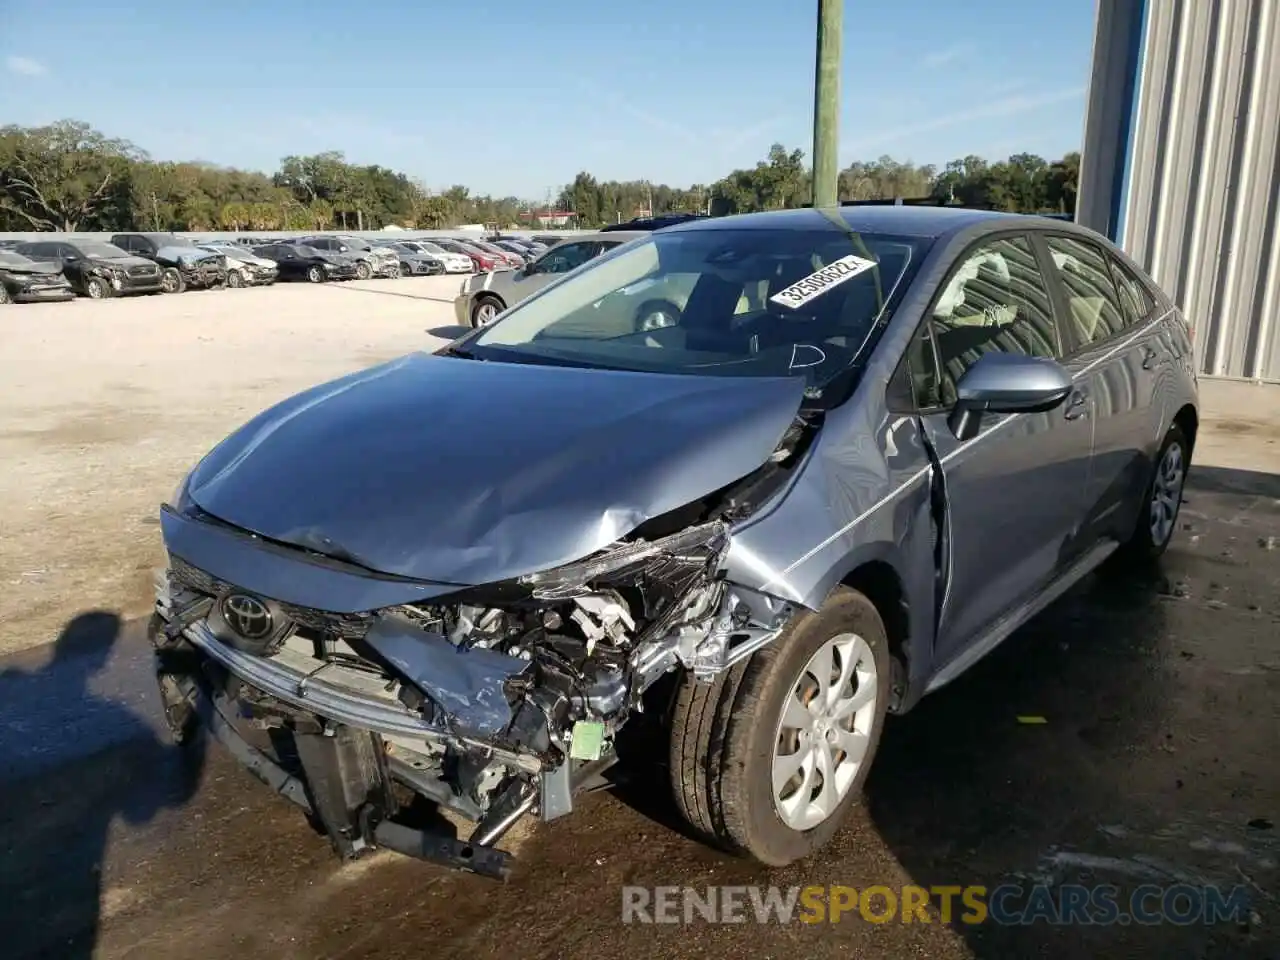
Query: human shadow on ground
78	760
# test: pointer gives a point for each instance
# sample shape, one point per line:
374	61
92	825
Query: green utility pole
826	104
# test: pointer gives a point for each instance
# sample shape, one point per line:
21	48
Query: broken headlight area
491	702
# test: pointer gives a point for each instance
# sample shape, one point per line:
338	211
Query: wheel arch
880	582
1189	420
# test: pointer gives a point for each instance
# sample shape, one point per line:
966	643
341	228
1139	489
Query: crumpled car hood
34	267
184	255
470	472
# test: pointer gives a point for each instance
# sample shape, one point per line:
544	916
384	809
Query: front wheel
485	311
4	295
315	275
363	270
656	314
767	760
235	279
171	281
96	288
1158	517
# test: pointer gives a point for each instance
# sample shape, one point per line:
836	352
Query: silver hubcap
485	314
657	320
1166	493
824	732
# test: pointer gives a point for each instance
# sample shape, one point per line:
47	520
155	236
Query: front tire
1158	518
171	281
4	295
235	279
363	270
315	275
755	752
485	310
95	288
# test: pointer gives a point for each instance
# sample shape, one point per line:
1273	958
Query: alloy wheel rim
485	314
824	732
1166	493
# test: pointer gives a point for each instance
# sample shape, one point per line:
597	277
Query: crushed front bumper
42	292
340	775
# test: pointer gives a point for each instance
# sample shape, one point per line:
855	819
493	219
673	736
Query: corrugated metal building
1181	164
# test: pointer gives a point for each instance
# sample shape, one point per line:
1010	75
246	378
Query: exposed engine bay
492	701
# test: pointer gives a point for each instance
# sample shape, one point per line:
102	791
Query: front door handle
1077	405
1148	358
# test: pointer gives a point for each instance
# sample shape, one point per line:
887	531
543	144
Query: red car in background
483	261
510	259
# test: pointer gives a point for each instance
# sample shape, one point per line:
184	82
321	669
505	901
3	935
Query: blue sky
516	96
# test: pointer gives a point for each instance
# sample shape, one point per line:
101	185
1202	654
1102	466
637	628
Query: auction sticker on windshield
819	282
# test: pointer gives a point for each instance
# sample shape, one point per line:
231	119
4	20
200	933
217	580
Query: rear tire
731	737
1158	518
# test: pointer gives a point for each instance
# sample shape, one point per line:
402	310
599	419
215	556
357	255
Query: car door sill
1016	618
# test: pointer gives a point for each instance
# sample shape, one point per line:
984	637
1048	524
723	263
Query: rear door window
1135	298
1093	303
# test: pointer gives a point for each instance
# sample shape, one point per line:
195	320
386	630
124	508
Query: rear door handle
1077	405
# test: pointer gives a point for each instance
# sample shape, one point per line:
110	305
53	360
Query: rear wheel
1159	515
485	310
768	759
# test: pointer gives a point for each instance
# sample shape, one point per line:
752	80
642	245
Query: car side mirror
1006	383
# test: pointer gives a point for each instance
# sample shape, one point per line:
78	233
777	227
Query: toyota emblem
248	616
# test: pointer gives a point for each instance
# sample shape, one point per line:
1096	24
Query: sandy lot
104	406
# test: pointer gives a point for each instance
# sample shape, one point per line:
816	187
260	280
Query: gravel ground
103	407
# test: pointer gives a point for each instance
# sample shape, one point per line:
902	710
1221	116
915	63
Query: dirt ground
104	406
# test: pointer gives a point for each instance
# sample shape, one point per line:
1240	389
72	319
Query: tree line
68	176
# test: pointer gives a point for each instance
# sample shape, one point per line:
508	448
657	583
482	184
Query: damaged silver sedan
867	446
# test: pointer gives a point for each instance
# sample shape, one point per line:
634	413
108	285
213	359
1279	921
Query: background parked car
299	262
506	257
244	267
23	280
482	299
481	262
524	253
96	269
182	263
415	262
454	262
372	261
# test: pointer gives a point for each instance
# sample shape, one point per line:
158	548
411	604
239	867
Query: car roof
614	235
902	220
